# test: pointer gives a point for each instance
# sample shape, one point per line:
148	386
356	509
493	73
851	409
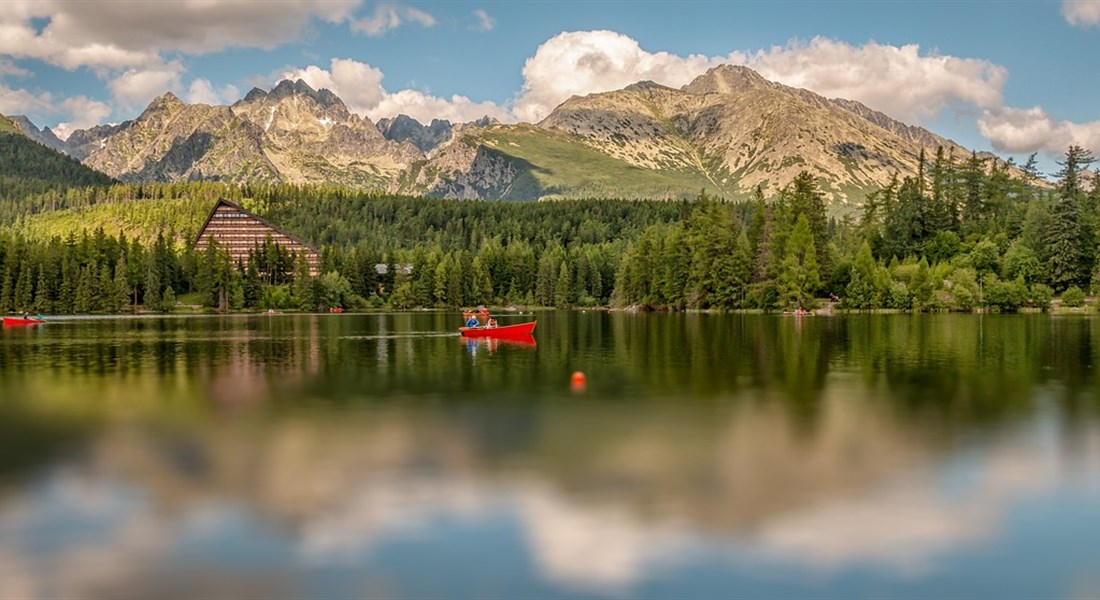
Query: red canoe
502	331
9	321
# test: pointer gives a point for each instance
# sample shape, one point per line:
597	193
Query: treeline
97	273
961	234
958	236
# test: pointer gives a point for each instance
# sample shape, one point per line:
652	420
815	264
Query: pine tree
563	287
862	291
1069	255
152	297
85	291
42	302
7	290
168	300
253	285
24	288
799	277
121	286
303	286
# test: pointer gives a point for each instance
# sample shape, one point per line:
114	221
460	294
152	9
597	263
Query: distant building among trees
241	233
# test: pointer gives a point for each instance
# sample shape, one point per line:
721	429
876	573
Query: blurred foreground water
711	456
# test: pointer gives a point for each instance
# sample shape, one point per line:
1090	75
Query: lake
708	456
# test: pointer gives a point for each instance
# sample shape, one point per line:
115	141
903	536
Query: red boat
501	331
15	321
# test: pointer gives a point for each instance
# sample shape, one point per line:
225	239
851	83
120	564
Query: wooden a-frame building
239	231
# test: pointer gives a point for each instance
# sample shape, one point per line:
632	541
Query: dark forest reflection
324	455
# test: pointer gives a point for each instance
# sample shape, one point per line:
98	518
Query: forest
963	234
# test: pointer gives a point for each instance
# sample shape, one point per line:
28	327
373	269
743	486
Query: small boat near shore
500	331
20	321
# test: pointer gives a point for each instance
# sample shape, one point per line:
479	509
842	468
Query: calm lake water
711	456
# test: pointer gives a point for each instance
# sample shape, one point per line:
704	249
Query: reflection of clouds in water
74	536
600	548
114	540
908	523
385	508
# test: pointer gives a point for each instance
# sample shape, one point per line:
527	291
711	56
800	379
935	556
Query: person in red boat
491	323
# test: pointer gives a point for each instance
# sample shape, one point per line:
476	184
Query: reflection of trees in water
674	386
733	424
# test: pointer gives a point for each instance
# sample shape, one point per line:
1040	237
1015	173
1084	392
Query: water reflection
318	456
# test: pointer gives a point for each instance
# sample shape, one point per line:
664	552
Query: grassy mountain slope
7	126
536	162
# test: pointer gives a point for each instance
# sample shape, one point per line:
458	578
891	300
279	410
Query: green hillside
178	218
23	159
557	163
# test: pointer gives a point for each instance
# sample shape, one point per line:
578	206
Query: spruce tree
168	300
120	286
152	297
799	277
42	302
24	287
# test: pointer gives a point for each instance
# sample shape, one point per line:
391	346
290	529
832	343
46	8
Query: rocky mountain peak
167	102
405	128
299	88
644	86
253	95
727	79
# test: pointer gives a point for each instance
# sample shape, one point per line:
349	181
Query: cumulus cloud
11	69
1022	130
1081	13
20	101
586	62
76	112
83	113
897	80
391	16
484	21
359	85
119	35
201	91
134	88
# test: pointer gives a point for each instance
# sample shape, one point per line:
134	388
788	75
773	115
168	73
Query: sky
1010	76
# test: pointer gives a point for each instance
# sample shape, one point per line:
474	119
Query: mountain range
728	132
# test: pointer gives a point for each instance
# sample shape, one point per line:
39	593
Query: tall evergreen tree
799	278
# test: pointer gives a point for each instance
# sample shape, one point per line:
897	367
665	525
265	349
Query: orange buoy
577	381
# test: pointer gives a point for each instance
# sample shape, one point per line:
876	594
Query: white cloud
8	68
897	80
389	16
201	91
1020	130
359	85
424	107
133	34
134	88
77	112
586	62
1082	13
83	113
484	21
19	101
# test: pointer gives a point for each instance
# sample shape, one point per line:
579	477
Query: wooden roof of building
234	205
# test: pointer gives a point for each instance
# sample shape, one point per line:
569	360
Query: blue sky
1011	76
